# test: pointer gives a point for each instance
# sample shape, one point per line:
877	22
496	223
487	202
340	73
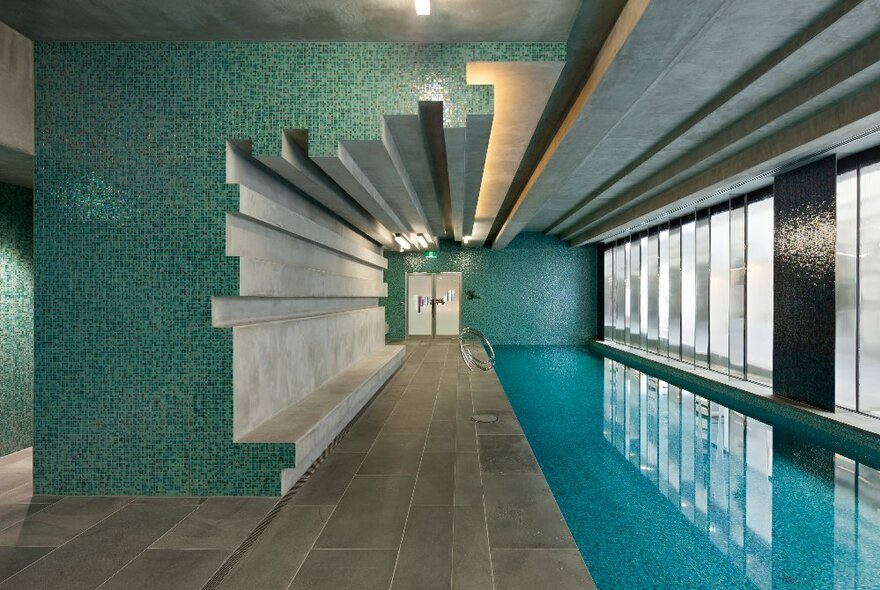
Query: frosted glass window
643	293
627	291
869	288
619	293
719	291
759	291
701	274
635	293
675	292
688	291
608	293
846	285
737	319
652	260
663	293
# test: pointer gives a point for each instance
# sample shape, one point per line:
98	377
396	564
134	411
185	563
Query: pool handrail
468	356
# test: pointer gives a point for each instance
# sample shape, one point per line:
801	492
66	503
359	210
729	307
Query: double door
433	303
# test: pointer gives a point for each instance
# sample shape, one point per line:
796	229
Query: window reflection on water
717	466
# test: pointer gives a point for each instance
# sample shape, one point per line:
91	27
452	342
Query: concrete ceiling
687	99
291	20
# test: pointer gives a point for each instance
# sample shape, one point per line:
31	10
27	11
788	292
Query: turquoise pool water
663	488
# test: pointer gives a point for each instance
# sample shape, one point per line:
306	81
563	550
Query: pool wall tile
538	290
16	318
133	388
805	230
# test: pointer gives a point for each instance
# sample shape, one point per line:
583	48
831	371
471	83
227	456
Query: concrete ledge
855	435
316	420
227	312
272	279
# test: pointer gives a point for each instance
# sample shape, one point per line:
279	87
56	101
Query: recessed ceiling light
401	241
421	240
466	239
423	7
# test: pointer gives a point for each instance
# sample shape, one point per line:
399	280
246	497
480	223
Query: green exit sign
430	253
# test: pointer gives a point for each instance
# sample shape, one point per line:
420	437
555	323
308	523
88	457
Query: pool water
663	488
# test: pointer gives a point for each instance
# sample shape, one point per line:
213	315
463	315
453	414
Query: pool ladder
467	355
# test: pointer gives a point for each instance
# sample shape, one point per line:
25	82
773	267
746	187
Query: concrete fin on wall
308	334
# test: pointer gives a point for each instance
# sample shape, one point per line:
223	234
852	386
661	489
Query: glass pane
419	311
663	294
628	293
608	293
737	292
759	291
701	274
719	290
846	289
447	303
620	293
635	297
688	291
643	293
869	289
675	292
652	258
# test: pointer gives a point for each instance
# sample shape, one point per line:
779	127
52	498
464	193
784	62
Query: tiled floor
112	542
414	496
418	496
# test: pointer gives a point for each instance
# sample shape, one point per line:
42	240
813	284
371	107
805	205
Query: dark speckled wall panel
803	274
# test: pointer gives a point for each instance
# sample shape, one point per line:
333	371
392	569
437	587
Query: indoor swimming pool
663	488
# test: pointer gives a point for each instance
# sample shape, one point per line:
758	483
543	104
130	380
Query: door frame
433	275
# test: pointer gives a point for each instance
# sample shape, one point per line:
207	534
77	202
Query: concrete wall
538	290
16	107
16	318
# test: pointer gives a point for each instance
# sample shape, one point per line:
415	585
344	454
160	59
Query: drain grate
485	418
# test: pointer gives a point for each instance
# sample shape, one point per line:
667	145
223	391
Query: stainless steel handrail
467	354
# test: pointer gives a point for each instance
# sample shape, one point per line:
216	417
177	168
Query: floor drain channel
484	418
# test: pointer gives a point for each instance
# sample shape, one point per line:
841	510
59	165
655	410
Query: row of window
698	289
858	283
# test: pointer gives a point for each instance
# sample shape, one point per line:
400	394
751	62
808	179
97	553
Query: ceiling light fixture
420	238
401	241
423	7
466	239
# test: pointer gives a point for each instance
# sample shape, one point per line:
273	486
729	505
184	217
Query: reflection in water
717	467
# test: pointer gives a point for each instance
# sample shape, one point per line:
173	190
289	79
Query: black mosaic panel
805	233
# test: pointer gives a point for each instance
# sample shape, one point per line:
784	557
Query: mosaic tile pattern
804	312
16	318
133	387
538	290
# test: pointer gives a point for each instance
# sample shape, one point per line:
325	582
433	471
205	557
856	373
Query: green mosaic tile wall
133	389
538	290
16	318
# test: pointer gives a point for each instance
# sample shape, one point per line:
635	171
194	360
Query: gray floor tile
468	484
471	567
60	522
14	513
425	560
168	569
218	523
522	513
15	559
361	436
346	570
436	480
371	514
506	453
280	550
98	553
527	569
465	436
441	437
506	424
9	480
394	455
327	484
